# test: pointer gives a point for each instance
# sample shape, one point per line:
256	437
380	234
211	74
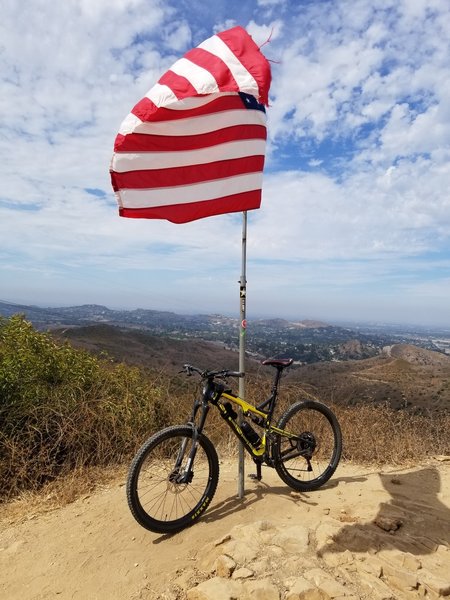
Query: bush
62	408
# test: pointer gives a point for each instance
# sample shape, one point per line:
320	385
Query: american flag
194	146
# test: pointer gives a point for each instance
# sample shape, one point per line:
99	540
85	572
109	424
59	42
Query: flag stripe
143	142
161	95
145	110
146	179
243	78
203	124
180	86
201	80
197	192
197	210
135	161
216	66
249	56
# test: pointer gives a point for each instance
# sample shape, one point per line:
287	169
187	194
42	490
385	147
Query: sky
355	219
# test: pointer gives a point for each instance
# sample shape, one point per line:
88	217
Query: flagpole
242	332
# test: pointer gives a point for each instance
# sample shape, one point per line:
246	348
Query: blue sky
355	219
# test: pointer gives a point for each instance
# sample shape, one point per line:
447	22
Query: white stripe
197	192
139	161
201	124
200	78
196	102
129	124
244	79
131	121
161	95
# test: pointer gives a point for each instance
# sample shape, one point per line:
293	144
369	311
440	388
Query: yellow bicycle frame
246	409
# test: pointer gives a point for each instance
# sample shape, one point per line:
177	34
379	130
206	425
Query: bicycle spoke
162	494
307	457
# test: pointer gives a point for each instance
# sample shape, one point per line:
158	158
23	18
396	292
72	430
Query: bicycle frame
215	394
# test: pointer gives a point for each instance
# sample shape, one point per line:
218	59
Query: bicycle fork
185	474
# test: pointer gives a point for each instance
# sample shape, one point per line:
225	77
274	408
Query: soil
93	549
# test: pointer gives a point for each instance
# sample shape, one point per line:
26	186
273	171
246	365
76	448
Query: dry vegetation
66	416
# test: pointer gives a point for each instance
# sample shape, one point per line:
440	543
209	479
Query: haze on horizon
355	217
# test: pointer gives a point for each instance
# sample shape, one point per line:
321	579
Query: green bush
62	408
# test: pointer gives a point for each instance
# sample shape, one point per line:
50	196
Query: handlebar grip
235	374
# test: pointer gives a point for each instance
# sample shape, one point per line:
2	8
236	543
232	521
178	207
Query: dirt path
93	549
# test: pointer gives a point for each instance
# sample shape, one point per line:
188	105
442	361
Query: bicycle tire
309	461
156	501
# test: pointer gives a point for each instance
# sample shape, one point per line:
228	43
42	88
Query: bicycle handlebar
223	374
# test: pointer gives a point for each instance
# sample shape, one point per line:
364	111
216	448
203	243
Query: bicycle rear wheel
308	460
164	494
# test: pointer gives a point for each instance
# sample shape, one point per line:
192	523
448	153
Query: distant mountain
307	341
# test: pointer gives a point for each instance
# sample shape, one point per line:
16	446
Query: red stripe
180	86
183	213
159	178
216	66
248	53
142	142
146	110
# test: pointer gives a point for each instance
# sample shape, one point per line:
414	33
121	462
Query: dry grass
67	417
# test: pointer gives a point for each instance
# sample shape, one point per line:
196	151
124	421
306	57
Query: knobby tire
155	499
307	462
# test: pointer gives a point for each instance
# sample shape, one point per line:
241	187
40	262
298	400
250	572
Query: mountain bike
174	475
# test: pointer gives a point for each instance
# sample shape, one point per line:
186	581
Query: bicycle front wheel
167	492
307	460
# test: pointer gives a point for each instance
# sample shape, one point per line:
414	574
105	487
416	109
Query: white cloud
356	189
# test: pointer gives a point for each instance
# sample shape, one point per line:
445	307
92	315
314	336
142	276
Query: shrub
62	408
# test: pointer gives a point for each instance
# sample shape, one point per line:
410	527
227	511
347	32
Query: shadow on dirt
414	520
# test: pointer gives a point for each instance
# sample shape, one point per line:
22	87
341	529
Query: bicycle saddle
280	363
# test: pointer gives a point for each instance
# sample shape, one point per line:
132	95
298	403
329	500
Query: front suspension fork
185	474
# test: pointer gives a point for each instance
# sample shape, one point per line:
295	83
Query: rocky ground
365	535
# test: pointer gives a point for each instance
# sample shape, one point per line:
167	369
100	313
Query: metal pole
242	330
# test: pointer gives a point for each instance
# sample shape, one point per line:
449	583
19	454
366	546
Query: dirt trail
93	549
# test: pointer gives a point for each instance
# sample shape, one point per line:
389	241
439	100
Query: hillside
155	352
404	377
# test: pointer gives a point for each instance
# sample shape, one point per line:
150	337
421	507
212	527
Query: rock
439	586
242	573
217	588
336	559
242	551
326	531
410	562
325	583
293	539
399	577
263	589
225	566
389	524
371	565
302	589
377	589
